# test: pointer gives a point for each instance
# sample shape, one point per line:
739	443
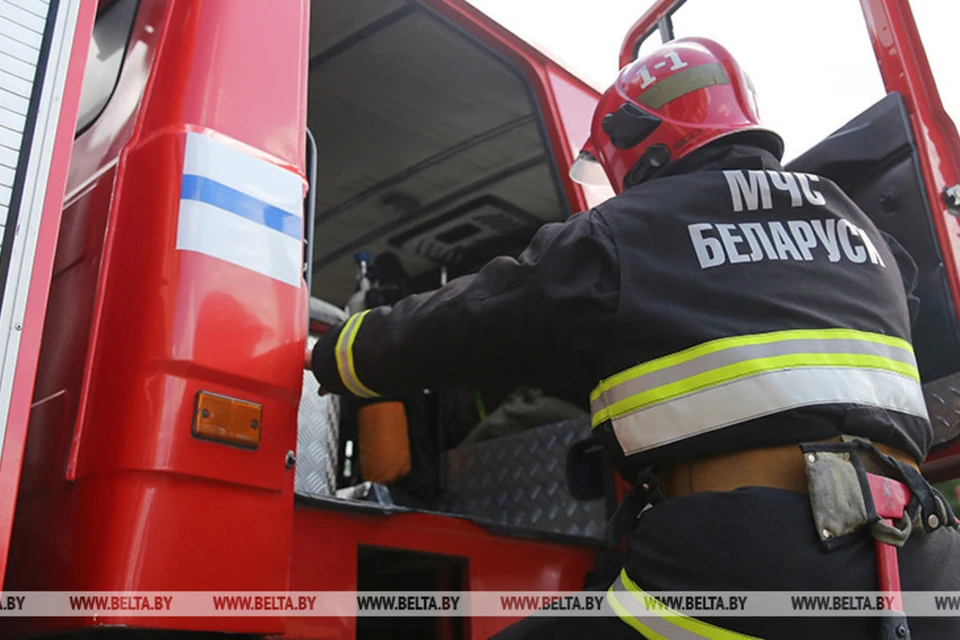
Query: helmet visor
586	169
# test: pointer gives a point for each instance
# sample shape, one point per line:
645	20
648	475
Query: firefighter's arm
513	314
909	273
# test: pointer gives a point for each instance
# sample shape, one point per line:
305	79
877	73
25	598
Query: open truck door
43	52
897	155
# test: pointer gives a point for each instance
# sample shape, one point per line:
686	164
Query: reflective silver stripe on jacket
733	380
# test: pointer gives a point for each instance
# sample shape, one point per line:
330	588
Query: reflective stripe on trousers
659	622
733	380
344	352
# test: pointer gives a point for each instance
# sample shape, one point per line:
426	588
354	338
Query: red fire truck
184	184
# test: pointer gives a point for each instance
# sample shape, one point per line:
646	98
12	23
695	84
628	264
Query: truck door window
936	22
111	33
813	65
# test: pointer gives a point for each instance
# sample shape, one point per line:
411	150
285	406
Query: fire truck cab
185	187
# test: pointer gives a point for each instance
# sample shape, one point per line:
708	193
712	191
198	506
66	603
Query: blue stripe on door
219	195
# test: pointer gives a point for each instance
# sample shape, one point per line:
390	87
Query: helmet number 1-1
649	79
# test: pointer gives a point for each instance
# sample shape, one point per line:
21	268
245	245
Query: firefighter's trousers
760	539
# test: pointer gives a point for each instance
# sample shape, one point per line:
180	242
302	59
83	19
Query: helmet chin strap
653	159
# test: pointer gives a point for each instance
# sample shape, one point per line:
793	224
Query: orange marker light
228	420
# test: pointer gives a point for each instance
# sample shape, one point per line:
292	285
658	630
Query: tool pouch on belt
841	500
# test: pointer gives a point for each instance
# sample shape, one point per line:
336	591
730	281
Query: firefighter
725	312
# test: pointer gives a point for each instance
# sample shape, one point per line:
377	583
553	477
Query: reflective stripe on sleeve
733	380
345	364
657	621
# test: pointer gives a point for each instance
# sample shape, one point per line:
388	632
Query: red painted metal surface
116	494
323	562
647	22
14	440
73	289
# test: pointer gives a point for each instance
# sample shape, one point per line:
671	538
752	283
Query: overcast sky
811	60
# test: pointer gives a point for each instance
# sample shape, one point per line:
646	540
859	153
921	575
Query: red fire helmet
665	105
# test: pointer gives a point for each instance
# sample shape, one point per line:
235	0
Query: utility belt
853	485
792	468
783	467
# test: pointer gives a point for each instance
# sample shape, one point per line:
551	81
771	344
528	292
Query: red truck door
43	50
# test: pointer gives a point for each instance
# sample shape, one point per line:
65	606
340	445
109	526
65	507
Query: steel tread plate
520	481
317	440
943	405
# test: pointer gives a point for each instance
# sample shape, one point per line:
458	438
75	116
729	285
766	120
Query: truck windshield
812	63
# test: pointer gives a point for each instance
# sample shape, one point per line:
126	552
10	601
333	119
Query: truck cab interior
432	159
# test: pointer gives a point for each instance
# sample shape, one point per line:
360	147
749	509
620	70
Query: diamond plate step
520	481
943	404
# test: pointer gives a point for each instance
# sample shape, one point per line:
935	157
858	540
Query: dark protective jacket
725	304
